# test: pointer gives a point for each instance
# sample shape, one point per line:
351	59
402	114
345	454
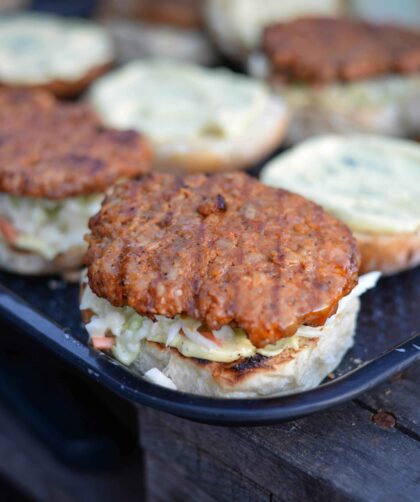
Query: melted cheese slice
168	100
38	48
369	182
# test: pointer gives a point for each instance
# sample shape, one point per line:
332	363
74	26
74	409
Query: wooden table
365	450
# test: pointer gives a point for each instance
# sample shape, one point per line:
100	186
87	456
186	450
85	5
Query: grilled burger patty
57	150
319	50
222	249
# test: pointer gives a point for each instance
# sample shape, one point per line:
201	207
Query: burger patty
56	150
327	49
223	249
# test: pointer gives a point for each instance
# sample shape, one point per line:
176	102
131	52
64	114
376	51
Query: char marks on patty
257	257
325	49
56	150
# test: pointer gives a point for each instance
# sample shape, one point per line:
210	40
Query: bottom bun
259	376
28	263
389	253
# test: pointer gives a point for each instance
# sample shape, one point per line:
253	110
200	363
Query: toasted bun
232	120
224	155
389	253
291	371
28	263
66	88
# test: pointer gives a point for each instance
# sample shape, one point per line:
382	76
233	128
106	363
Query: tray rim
217	411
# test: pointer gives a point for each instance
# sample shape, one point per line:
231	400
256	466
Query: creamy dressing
167	100
131	330
371	183
48	227
35	48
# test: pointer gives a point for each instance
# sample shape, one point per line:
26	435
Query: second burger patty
56	150
319	50
222	249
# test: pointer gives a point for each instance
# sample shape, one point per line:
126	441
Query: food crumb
384	419
55	284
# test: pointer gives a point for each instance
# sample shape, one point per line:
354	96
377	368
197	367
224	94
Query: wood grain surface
365	450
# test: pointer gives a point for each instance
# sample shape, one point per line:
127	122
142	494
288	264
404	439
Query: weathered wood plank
337	455
192	475
32	468
401	397
167	481
178	441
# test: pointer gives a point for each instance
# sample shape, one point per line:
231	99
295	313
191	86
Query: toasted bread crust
389	253
65	88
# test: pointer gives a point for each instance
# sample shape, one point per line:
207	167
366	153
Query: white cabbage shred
131	329
48	227
154	375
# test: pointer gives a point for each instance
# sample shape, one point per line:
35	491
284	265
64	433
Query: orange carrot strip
103	342
8	231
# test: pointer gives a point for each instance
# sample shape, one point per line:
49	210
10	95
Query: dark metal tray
387	341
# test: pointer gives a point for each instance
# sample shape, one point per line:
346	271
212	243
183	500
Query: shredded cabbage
130	330
48	227
154	375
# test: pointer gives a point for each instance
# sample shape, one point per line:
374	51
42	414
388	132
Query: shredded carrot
8	231
209	335
103	342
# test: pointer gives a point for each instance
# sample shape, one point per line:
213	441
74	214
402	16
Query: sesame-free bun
210	155
390	253
197	119
62	55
